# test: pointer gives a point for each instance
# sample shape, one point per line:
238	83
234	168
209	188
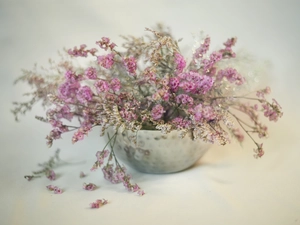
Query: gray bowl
154	152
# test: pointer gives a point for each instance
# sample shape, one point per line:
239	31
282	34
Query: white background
227	186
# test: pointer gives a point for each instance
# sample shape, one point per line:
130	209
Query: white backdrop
227	186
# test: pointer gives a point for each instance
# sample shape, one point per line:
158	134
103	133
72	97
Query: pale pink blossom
157	112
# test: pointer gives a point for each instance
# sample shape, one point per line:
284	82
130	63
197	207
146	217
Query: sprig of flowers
47	168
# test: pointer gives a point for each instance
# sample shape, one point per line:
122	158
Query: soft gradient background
227	186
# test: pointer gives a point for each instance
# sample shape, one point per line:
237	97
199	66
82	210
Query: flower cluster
113	171
149	85
47	168
89	186
55	189
98	203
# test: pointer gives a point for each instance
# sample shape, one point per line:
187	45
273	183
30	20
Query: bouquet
147	84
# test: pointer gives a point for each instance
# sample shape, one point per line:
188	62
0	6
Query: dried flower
148	84
55	189
89	186
98	203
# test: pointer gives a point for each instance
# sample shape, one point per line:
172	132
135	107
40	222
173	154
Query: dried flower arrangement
149	85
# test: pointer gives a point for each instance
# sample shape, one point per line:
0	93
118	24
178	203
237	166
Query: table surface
227	186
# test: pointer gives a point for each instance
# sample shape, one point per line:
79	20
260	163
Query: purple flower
259	152
78	52
174	83
101	86
104	43
67	91
261	93
208	113
272	111
51	175
205	84
180	63
115	84
78	136
130	65
201	51
227	52
215	57
232	76
89	186
184	99
55	189
157	112
128	115
84	94
98	203
106	61
181	123
70	75
91	73
55	134
188	86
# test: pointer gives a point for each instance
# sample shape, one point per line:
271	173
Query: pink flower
181	123
272	111
207	64
180	63
201	51
78	136
67	91
101	86
78	52
55	189
215	57
91	73
261	93
184	99
157	112
98	203
55	134
65	112
205	84
128	114
208	113
106	61
188	86
232	76
104	43
84	94
130	65
259	152
89	186
198	112
51	175
227	52
70	75
174	83
115	85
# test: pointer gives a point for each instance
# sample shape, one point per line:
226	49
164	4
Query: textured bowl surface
155	152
